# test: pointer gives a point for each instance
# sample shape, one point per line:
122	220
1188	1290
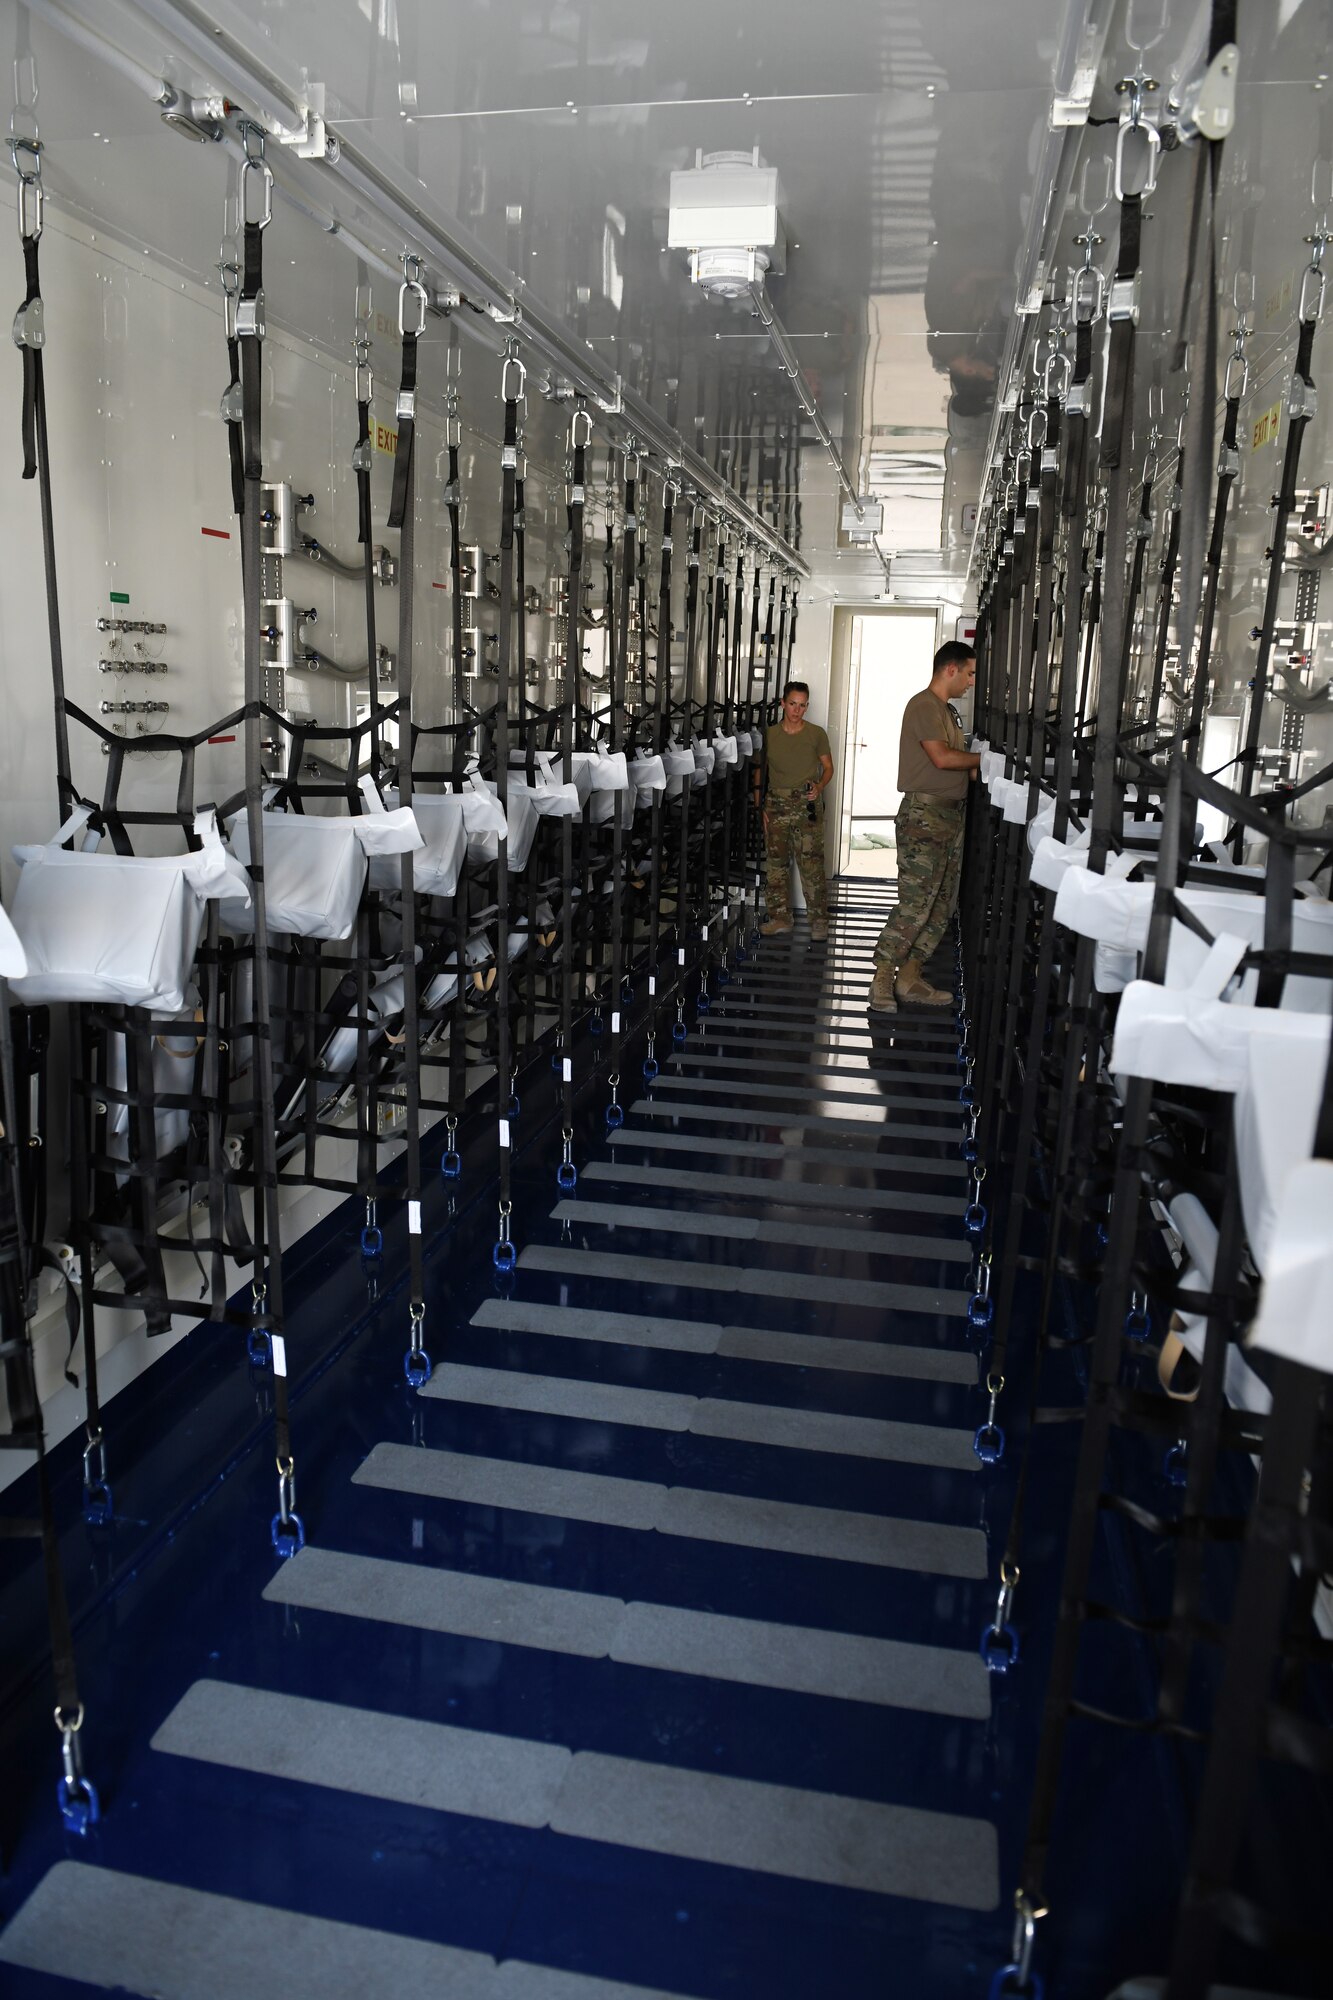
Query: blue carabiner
678	1032
970	1151
999	1648
723	976
988	1444
615	1117
702	1003
372	1241
504	1256
974	1219
97	1506
650	1070
1001	1989
966	1094
258	1347
567	1175
417	1367
288	1536
557	1062
1137	1324
980	1311
1175	1470
79	1805
514	1107
451	1166
596	1025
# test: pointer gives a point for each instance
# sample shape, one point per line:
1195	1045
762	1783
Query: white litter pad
117	928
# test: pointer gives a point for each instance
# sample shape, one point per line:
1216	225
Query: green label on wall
120	597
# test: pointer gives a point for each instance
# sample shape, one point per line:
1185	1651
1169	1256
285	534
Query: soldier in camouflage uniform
934	770
795	770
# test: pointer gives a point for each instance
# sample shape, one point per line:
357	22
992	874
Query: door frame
843	687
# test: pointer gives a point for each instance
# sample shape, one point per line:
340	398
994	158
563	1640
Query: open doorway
891	653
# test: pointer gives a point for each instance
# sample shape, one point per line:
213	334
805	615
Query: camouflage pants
930	857
792	835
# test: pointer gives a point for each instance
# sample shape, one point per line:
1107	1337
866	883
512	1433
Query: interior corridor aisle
637	1655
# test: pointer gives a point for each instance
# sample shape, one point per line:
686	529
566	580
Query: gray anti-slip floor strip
129	1934
872	1129
695	1815
871	1240
852	1019
773	1192
777	1028
605	1266
721	1045
745	1094
851	1159
796	1044
703	1416
736	1343
853	1075
738	1520
798	1659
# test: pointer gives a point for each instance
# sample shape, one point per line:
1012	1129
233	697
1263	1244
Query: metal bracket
1125	297
312	139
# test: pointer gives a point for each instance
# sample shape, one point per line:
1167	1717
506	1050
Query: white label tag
414	1218
652	985
680	958
279	1354
704	933
568	1070
615	1024
726	911
504	1131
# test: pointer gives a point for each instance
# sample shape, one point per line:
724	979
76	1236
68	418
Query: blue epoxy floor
171	1594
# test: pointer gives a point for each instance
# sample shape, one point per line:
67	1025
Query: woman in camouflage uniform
797	770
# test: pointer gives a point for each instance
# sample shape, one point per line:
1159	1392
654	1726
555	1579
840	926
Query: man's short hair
796	687
953	653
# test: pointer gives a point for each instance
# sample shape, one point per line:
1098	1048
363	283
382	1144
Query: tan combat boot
775	928
882	999
915	990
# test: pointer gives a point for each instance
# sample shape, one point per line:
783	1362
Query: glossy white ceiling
903	131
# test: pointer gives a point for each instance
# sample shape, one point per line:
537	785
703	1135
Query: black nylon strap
1118	414
1284	506
1228	468
508	506
411	1053
403	448
268	1274
570	695
32	361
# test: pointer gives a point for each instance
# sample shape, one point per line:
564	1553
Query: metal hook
1141	48
513	388
1135	121
413	287
256	176
1087	183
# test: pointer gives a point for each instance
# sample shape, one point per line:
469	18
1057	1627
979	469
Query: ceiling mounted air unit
724	211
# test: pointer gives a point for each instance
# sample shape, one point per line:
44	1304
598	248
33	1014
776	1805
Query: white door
891	659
